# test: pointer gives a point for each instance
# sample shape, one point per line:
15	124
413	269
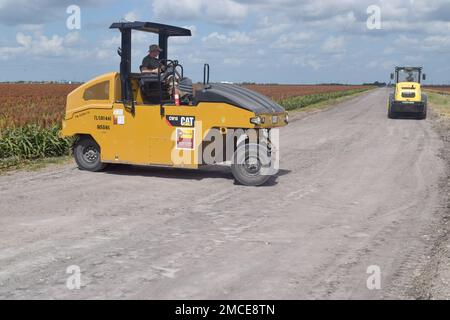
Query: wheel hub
90	154
252	165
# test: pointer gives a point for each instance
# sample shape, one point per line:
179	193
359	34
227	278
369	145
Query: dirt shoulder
434	281
35	165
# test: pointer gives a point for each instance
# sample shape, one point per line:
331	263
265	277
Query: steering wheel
171	65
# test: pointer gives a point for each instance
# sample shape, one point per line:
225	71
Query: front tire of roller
423	116
252	165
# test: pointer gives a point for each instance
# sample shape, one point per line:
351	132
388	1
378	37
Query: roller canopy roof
158	28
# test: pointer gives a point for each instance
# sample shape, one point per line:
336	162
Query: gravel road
355	190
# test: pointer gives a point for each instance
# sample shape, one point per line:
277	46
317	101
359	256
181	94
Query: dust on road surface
355	190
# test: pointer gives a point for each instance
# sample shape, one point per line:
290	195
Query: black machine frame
422	76
164	32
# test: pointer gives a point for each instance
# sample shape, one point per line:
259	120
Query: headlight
286	118
256	120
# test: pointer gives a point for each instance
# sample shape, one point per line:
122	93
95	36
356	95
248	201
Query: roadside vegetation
31	142
30	118
438	89
440	103
284	92
301	102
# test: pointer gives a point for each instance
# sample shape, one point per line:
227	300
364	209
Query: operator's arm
148	70
149	66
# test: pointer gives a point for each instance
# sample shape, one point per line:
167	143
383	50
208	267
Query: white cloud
237	35
111	42
234	61
226	12
24	40
132	16
382	64
431	16
334	45
231	41
19	12
293	40
305	61
177	9
222	12
40	45
422	44
268	27
35	28
72	39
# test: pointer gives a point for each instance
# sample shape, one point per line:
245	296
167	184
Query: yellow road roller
408	98
162	119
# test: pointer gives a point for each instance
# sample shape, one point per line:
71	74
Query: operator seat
150	88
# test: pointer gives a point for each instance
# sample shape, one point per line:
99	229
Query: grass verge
34	165
440	104
432	282
319	101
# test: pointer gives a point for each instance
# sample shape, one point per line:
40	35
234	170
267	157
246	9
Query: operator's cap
154	47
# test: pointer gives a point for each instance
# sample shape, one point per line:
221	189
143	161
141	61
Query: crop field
31	114
293	97
39	104
283	92
439	89
43	104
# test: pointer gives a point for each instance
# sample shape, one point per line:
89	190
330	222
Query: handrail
206	74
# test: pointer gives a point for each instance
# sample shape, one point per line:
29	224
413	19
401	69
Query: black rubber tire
252	176
391	114
87	155
423	116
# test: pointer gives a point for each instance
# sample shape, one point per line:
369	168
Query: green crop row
31	142
307	100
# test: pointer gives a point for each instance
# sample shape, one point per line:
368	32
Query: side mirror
392	76
424	77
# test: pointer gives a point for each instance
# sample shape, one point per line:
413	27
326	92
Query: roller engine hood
239	97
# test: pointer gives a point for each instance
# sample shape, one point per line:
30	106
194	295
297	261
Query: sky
263	41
